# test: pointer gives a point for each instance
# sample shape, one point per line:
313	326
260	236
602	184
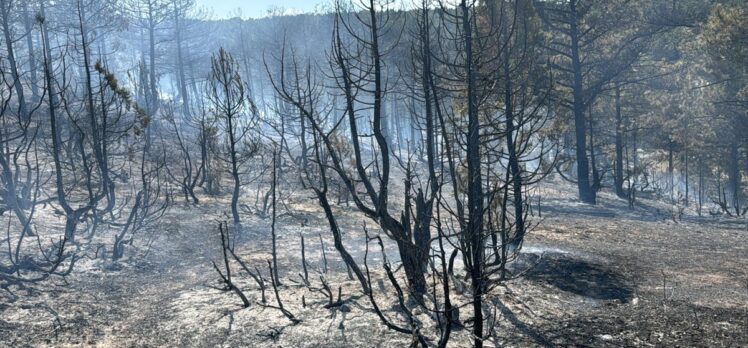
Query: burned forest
373	173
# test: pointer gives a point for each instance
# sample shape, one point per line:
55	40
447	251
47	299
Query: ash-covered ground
599	276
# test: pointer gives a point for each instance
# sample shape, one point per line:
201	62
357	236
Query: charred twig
257	277
324	255
280	306
326	289
303	260
227	278
389	324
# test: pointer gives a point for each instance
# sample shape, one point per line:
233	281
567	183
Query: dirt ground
594	276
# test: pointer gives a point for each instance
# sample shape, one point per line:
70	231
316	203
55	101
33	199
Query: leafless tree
239	122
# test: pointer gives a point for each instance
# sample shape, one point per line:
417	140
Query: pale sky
255	8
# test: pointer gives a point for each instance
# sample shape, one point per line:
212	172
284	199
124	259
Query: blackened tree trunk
586	193
178	15
733	173
152	57
72	216
424	209
6	6
620	131
474	236
670	169
596	179
633	176
514	169
685	172
96	135
276	155
238	116
234	170
27	26
701	185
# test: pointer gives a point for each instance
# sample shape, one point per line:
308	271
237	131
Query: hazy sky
254	8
